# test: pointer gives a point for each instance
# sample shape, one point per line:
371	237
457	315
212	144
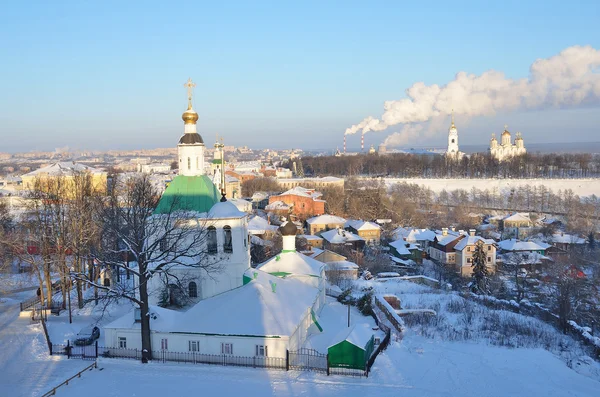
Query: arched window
189	163
227	240
192	290
197	163
212	240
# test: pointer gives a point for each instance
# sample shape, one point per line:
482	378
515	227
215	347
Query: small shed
352	347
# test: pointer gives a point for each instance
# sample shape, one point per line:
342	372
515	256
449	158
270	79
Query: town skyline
286	76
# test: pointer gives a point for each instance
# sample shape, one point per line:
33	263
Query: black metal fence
382	346
301	360
307	360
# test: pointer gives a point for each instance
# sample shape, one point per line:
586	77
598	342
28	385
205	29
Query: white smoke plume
568	79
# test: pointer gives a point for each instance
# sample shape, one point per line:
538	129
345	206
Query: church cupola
506	137
190	149
288	232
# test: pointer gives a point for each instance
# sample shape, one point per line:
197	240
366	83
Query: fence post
327	358
68	349
287	360
50	346
96	349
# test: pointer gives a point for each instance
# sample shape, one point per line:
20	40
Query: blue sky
107	75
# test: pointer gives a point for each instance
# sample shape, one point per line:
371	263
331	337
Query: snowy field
581	187
435	358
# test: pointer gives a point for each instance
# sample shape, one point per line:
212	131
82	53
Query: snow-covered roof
259	225
325	220
340	236
400	246
64	168
359	335
253	309
414	235
259	241
523	258
403	262
311	237
300	191
225	210
565	238
362	225
445	240
277	205
516	245
341	265
471	240
241	204
293	263
160	318
518	217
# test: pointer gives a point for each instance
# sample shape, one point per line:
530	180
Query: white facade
453	150
231	260
506	149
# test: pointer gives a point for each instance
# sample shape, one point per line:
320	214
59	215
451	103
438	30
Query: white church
506	149
453	151
238	310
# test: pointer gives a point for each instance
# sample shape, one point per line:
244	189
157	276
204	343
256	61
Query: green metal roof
188	193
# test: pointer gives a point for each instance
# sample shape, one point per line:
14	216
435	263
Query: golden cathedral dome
189	116
506	133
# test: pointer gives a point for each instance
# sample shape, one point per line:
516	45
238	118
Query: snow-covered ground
581	187
424	363
26	368
415	367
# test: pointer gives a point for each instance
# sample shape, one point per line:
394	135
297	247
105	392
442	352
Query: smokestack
362	142
344	143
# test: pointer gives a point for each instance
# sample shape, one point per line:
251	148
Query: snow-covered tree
481	277
157	243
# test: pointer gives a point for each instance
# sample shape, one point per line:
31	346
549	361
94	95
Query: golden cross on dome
190	87
505	127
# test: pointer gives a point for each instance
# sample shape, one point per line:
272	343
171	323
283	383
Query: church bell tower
452	138
190	149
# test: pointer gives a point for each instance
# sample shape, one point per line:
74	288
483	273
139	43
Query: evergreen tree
481	279
591	241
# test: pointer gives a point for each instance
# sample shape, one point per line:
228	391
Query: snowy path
26	369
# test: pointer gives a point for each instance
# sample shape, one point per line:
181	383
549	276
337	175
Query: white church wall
208	344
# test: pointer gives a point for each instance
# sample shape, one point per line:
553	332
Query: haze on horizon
110	75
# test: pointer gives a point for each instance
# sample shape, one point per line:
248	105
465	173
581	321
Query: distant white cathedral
507	149
453	141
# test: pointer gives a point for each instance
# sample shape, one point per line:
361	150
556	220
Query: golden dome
506	133
189	116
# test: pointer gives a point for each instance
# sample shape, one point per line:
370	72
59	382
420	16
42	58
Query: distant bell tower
452	138
190	149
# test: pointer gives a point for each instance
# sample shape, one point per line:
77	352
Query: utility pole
348	315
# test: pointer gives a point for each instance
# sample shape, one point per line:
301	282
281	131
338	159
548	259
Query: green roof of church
188	193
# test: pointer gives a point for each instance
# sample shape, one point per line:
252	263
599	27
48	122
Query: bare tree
160	243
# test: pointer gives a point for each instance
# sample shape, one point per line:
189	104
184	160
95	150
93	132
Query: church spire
452	126
190	88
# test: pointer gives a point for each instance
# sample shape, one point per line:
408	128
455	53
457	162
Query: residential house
466	247
325	222
368	231
340	240
525	254
304	203
517	225
566	241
